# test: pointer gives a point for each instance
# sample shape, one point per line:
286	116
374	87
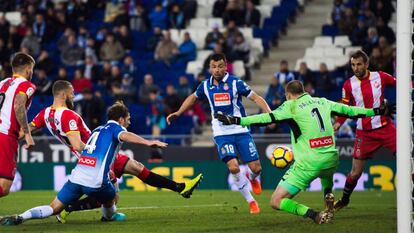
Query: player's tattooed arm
20	110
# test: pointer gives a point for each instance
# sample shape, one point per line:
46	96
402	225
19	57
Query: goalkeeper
313	143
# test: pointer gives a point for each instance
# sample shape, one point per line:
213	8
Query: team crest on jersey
72	125
221	99
376	84
226	87
29	92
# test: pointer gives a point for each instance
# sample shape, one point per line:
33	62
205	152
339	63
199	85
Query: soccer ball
282	157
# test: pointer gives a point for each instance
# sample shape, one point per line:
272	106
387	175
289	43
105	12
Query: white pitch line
165	207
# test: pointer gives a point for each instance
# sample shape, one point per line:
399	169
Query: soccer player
365	89
16	95
313	145
224	93
91	174
69	128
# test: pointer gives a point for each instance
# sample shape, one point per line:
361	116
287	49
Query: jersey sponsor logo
87	161
73	125
321	142
29	92
221	99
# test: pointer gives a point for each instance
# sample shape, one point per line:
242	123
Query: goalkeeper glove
226	119
384	109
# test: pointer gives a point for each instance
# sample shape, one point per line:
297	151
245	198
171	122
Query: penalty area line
165	207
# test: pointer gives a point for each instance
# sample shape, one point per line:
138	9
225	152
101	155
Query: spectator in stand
60	23
121	19
44	62
234	13
112	9
218	8
371	41
128	89
338	11
376	60
91	70
138	19
41	29
359	33
62	74
91	50
157	118
129	67
43	83
115	78
104	74
4	28
92	109
348	22
284	75
23	25
15	39
145	89
187	51
80	83
309	88
184	88
231	33
386	49
275	94
172	101
369	18
5	53
189	9
111	50
252	15
63	40
158	17
31	42
304	74
383	9
72	54
31	13
154	39
125	38
100	37
166	49
384	30
83	35
240	49
324	80
213	37
176	18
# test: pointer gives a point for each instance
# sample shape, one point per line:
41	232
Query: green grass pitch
208	211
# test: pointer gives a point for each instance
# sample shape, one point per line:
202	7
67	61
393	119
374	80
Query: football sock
326	191
108	212
242	183
156	180
86	203
293	207
350	185
253	175
327	186
37	212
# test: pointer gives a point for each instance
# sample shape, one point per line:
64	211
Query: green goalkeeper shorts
296	179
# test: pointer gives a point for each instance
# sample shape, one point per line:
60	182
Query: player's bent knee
275	203
134	167
234	170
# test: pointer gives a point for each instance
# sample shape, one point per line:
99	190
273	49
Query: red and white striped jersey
60	122
367	93
9	88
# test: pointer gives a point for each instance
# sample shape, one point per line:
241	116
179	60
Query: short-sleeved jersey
92	169
60	122
368	93
9	88
312	133
225	98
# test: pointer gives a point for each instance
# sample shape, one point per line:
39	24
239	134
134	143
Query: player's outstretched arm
260	102
76	141
258	120
133	138
187	104
357	112
21	116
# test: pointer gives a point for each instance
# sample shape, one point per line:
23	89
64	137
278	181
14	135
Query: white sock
37	212
108	212
242	183
253	175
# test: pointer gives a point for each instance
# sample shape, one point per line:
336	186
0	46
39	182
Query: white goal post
404	105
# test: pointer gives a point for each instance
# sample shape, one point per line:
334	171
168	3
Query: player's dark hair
59	86
117	110
295	87
217	57
358	54
21	60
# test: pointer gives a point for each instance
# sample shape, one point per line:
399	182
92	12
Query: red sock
350	181
144	174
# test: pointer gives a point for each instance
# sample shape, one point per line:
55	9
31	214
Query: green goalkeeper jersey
311	132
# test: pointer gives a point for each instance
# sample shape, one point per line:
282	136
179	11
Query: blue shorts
229	145
71	192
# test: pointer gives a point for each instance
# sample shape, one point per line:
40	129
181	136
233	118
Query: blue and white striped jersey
92	169
225	98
